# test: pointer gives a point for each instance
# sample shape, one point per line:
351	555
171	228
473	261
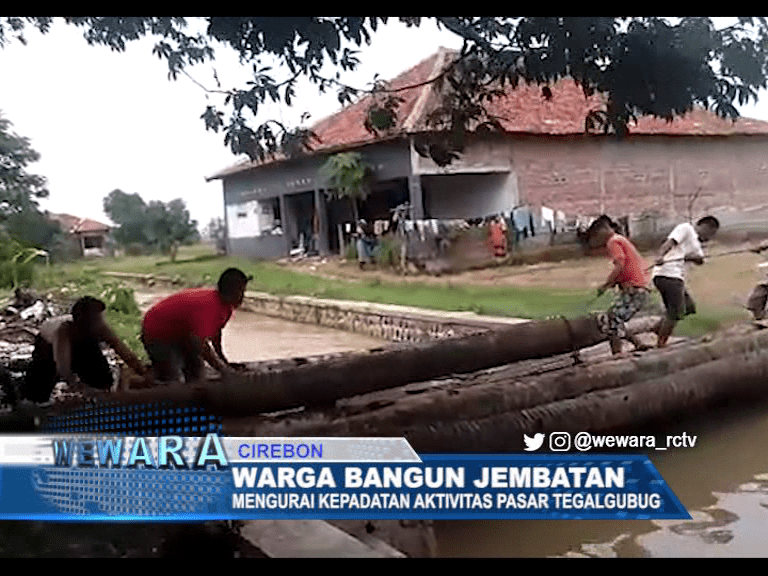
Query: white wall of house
469	195
251	218
243	219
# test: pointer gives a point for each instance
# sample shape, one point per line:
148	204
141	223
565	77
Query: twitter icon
534	443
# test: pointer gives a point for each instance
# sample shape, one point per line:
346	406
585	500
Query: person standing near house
366	241
68	348
498	237
683	245
184	329
629	274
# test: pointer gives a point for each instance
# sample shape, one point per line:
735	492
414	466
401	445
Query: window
93	242
269	215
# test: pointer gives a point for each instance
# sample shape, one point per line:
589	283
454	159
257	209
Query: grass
565	291
279	280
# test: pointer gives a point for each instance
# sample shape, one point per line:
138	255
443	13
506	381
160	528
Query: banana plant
25	255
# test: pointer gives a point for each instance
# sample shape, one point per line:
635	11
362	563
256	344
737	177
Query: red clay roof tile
521	110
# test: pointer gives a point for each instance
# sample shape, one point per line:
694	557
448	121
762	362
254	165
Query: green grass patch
707	320
198	267
534	303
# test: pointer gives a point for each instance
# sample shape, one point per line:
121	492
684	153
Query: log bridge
477	391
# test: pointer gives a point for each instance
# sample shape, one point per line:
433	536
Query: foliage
157	225
19	190
351	251
24	225
119	298
348	176
13	274
643	65
217	232
387	252
16	262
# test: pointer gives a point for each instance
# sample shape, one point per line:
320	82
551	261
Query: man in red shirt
630	273
185	328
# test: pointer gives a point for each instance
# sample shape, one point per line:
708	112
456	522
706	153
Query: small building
543	159
90	236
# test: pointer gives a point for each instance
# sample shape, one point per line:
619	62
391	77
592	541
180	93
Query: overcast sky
103	120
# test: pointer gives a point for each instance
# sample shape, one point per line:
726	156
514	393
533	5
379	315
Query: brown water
250	337
722	482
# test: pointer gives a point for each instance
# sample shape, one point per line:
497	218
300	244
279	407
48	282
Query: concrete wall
267	247
578	175
388	160
468	195
385	325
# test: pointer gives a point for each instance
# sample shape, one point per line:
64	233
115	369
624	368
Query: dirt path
250	337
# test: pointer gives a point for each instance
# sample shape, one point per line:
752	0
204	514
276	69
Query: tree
349	177
128	211
20	215
216	231
19	190
169	225
156	225
643	65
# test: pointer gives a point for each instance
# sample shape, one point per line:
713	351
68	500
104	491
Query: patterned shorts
628	303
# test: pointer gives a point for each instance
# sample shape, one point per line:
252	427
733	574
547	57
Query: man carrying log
683	245
184	329
629	274
68	348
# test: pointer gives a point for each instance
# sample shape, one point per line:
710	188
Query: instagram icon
559	441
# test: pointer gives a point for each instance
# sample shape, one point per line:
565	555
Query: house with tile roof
543	158
90	236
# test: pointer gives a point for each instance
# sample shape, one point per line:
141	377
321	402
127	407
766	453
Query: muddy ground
722	283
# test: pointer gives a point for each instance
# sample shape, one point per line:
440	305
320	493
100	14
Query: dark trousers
172	359
677	301
88	362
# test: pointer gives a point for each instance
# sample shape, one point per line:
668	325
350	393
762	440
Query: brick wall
588	175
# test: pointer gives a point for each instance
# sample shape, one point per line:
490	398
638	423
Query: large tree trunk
494	417
507	389
321	383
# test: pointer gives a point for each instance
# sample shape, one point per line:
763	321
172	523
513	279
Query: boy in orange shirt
630	273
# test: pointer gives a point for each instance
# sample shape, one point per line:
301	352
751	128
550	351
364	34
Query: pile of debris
20	320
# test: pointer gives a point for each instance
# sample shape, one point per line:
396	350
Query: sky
103	120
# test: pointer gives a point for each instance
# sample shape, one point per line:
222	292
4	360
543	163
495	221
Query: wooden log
471	401
321	384
732	378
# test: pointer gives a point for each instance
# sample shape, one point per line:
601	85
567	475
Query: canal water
722	482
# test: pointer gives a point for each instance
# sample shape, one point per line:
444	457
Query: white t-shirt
687	245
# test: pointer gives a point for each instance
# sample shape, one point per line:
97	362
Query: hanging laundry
561	222
548	218
521	217
433	225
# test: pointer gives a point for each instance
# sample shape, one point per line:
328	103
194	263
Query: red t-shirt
634	270
197	311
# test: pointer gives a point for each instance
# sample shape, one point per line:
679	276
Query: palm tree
349	177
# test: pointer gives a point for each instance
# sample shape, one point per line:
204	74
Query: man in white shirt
683	245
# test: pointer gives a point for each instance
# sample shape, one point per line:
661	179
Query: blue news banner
100	478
